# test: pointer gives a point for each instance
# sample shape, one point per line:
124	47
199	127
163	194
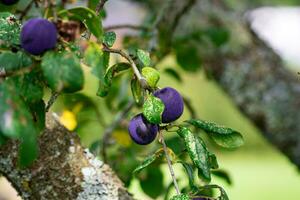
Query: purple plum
8	2
173	104
38	35
141	131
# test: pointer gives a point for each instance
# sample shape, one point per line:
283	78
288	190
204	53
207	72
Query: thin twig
52	99
126	26
26	10
53	8
136	71
100	6
108	131
17	72
162	140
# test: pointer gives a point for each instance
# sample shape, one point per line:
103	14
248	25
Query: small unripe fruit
38	35
141	131
173	104
9	2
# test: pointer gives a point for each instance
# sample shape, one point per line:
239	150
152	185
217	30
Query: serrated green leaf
197	152
63	72
10	28
223	175
149	160
181	197
173	73
223	136
88	17
153	109
144	57
138	92
109	38
151	75
14	61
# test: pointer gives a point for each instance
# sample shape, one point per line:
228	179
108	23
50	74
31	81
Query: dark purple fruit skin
8	2
38	35
141	131
173	103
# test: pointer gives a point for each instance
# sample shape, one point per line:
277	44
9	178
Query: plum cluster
143	132
38	36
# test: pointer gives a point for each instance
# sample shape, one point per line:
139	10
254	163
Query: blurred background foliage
256	171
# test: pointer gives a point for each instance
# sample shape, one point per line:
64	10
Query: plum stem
169	163
136	71
52	99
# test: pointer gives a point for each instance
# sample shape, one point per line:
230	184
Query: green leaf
173	73
3	139
187	57
181	197
99	61
144	57
190	172
14	61
62	71
213	161
223	136
31	87
149	160
222	174
153	176
17	122
138	92
109	38
153	109
38	112
109	75
88	17
197	152
223	195
218	35
28	151
10	28
151	75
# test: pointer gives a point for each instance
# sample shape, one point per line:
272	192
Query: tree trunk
64	170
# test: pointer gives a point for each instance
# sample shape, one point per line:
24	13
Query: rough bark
252	74
64	170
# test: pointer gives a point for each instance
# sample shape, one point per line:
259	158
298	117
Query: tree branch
63	165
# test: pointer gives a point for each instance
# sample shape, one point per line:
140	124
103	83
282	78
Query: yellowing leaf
122	137
68	119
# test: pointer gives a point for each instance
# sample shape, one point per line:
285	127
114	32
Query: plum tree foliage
47	53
